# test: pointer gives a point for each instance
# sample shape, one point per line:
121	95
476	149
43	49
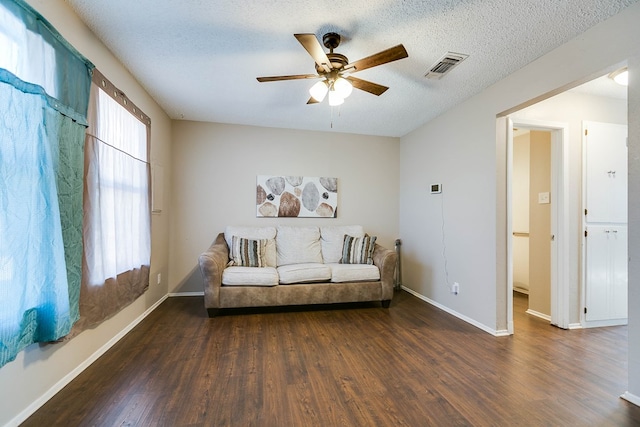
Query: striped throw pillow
247	252
358	250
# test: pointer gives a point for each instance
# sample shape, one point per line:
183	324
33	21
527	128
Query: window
117	216
26	54
44	92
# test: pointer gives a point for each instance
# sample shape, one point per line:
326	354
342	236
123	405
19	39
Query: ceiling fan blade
293	77
388	55
312	100
367	86
312	45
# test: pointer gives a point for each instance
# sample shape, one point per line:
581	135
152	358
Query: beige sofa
298	266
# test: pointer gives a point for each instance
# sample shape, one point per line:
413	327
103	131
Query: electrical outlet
159	278
455	288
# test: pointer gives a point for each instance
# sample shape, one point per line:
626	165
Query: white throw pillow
254	233
297	245
332	239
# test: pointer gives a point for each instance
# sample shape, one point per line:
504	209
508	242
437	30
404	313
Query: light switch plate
543	198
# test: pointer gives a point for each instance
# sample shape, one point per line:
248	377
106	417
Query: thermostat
436	188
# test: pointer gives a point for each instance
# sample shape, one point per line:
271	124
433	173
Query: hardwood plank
359	364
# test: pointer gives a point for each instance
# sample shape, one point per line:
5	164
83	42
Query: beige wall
214	183
520	211
41	368
540	223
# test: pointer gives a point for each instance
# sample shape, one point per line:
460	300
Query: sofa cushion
358	250
254	233
332	239
301	273
298	245
247	252
249	276
353	272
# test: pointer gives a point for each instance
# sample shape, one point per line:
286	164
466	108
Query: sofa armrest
385	260
212	262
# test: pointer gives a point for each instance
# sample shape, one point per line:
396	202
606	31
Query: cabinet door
606	172
619	272
597	273
606	273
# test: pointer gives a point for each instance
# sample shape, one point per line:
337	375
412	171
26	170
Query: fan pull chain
331	117
339	114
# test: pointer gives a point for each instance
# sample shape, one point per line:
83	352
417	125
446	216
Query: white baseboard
478	325
632	398
187	294
604	323
575	326
538	314
36	404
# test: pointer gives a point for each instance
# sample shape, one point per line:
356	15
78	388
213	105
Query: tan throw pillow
247	252
358	250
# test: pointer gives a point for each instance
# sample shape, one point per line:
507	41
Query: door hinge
585	233
585	212
585	310
586	132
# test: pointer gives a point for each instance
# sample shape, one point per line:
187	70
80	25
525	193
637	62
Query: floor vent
445	64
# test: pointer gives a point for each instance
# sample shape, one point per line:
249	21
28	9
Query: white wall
214	183
462	150
38	369
572	109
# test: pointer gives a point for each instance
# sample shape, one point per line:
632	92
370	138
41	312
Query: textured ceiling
199	59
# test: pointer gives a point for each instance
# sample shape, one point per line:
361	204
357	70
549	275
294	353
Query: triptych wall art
296	196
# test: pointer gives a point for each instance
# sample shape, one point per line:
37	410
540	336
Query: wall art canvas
296	196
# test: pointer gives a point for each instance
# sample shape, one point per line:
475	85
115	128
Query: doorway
601	100
546	198
531	210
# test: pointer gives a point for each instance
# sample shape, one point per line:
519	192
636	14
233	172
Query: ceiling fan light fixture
319	90
335	99
342	87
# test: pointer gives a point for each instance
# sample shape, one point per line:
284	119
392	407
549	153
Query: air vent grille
445	65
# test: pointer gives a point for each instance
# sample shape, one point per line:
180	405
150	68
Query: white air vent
445	64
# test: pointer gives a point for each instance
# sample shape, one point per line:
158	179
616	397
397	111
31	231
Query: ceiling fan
335	70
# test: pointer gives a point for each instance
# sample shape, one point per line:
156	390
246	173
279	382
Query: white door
605	200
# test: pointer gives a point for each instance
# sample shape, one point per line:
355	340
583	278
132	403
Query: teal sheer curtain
42	125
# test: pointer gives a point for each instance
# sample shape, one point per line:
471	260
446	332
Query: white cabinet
605	201
606	273
606	173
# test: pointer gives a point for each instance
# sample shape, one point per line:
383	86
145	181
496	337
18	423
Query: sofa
295	265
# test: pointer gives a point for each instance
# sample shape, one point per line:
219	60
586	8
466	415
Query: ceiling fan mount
331	40
334	69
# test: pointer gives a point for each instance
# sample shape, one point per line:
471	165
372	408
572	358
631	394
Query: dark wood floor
409	365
